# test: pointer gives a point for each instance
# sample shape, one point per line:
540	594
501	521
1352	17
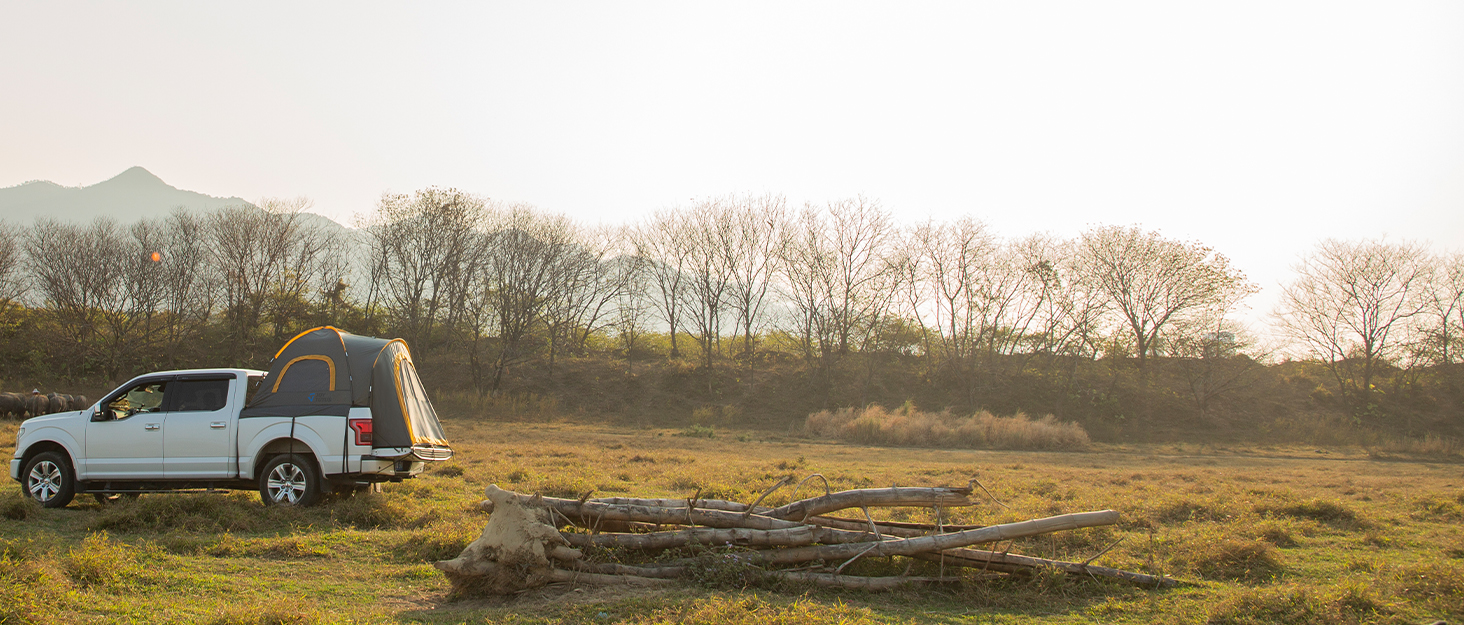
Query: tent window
306	373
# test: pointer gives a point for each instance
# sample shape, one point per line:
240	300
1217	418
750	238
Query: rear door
198	428
124	439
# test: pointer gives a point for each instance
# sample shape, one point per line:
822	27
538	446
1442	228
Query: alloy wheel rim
45	481
286	484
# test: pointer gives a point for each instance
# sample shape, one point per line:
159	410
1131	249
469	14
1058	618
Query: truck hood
34	422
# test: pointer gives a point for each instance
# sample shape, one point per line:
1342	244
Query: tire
290	480
47	478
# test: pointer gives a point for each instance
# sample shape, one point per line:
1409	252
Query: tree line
732	296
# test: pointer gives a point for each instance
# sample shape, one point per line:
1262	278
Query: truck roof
246	372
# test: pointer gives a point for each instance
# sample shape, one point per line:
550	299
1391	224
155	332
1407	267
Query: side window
254	382
144	397
198	395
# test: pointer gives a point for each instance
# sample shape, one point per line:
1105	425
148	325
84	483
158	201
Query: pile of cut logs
532	540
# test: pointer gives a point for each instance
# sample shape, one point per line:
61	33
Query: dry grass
1260	537
908	427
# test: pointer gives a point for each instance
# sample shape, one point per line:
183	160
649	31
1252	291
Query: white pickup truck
335	412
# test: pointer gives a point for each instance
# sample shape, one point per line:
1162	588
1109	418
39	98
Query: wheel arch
39	447
282	446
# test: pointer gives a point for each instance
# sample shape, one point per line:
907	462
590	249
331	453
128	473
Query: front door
198	429
125	440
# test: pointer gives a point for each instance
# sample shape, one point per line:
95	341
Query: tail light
362	428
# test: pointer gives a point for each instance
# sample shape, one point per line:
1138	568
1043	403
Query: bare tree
426	248
1355	305
1216	357
632	298
754	244
585	288
836	266
520	278
1152	281
663	241
268	259
710	228
1446	303
103	288
12	279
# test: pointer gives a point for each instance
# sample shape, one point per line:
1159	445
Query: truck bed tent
324	371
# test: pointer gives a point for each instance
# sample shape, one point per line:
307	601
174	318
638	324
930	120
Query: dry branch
939	542
588	513
880	497
830	580
739	536
1010	562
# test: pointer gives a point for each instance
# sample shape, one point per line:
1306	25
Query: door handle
151	426
218	425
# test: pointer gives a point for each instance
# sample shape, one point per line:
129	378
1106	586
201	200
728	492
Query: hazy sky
1258	128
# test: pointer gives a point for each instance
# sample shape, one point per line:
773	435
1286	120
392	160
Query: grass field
1259	535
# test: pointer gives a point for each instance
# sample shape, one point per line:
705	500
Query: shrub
18	507
378	511
276	548
1323	510
30	592
99	561
192	513
913	428
433	544
1230	558
699	431
1299	606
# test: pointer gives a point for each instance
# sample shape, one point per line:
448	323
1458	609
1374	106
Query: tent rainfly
324	371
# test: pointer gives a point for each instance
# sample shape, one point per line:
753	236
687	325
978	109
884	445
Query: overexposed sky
1258	128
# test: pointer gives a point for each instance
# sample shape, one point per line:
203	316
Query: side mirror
98	415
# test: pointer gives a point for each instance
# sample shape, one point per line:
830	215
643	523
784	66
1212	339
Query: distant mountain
127	197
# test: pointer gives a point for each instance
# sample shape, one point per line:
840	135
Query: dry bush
378	511
275	548
17	507
1236	559
31	587
1294	605
439	542
273	615
908	427
99	561
1326	511
195	513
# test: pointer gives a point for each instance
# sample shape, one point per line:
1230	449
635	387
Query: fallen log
590	512
597	579
742	537
938	542
976	558
660	571
709	504
830	580
737	536
873	497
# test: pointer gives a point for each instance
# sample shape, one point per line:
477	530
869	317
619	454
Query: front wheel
291	480
48	480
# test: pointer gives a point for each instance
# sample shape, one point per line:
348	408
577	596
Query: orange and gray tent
325	371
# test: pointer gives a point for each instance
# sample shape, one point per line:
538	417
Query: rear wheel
291	480
48	480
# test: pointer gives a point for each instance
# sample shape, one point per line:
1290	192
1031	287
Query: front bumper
15	469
